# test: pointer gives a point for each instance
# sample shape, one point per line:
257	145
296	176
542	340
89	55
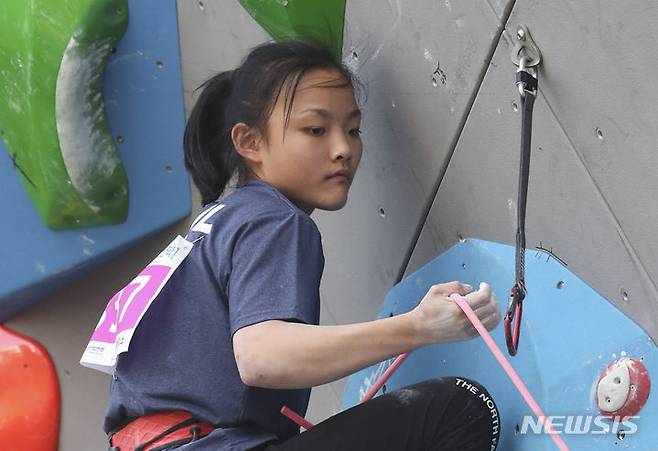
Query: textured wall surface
593	184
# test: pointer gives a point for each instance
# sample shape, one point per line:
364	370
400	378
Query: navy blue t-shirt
260	259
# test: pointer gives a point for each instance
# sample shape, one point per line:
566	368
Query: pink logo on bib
127	306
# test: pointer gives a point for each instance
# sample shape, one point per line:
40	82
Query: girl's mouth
339	178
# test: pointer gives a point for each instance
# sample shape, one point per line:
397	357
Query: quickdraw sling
526	55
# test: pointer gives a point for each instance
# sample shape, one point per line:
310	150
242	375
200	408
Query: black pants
446	414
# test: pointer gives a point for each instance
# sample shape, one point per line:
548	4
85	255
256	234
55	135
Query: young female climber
234	335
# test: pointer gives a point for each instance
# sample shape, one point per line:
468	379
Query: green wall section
34	36
317	20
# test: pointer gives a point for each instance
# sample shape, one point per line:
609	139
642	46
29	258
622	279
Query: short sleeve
277	264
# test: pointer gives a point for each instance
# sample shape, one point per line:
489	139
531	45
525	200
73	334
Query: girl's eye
316	131
355	132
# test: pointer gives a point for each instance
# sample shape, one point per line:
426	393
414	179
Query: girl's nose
341	148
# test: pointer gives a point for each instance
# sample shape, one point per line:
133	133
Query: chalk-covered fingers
446	289
484	304
480	298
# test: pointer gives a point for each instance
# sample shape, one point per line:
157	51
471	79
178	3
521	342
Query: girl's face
322	138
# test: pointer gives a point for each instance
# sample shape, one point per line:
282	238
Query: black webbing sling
526	80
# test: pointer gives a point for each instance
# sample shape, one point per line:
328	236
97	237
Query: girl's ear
247	142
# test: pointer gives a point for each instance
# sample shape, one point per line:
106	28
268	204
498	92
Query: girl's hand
440	320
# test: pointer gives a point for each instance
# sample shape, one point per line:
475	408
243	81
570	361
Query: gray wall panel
500	7
408	126
597	77
595	222
214	36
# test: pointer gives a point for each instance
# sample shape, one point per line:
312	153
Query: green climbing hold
311	20
53	55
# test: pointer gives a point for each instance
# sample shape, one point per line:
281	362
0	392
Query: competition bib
127	307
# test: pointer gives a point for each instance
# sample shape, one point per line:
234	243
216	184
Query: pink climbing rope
520	386
373	390
294	416
384	377
493	347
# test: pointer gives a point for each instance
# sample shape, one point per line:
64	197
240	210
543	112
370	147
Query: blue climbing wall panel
144	103
569	335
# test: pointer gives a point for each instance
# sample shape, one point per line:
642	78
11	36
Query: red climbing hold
29	395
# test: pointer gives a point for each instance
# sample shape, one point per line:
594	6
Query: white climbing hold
613	388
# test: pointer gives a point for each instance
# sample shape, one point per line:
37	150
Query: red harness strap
156	430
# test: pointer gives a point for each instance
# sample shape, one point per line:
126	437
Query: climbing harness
158	431
526	55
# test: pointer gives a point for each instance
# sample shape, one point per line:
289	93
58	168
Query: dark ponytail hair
247	94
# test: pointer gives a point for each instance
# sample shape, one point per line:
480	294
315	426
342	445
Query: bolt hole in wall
599	133
168	168
560	285
160	64
515	107
461	238
382	213
201	6
624	295
120	139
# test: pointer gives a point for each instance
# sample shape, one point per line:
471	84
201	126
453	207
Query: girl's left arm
287	355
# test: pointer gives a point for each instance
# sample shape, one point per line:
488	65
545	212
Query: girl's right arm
286	355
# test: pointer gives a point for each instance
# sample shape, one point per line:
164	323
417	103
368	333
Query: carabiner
513	318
